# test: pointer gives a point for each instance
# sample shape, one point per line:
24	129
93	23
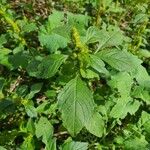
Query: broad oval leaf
142	76
48	66
53	41
119	59
123	107
98	64
44	129
92	35
122	82
96	125
76	104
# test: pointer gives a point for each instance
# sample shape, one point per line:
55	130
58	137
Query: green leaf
120	60
32	68
80	21
2	148
142	93
53	41
124	106
135	143
30	109
30	126
92	35
124	103
4	52
51	144
44	129
118	111
4	57
50	93
22	90
122	82
88	73
3	40
75	146
115	8
61	31
145	53
46	108
35	88
7	106
112	37
76	104
98	64
29	27
48	66
144	121
19	59
132	107
142	76
96	125
55	19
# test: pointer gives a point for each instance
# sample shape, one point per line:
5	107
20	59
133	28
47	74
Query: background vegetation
74	74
